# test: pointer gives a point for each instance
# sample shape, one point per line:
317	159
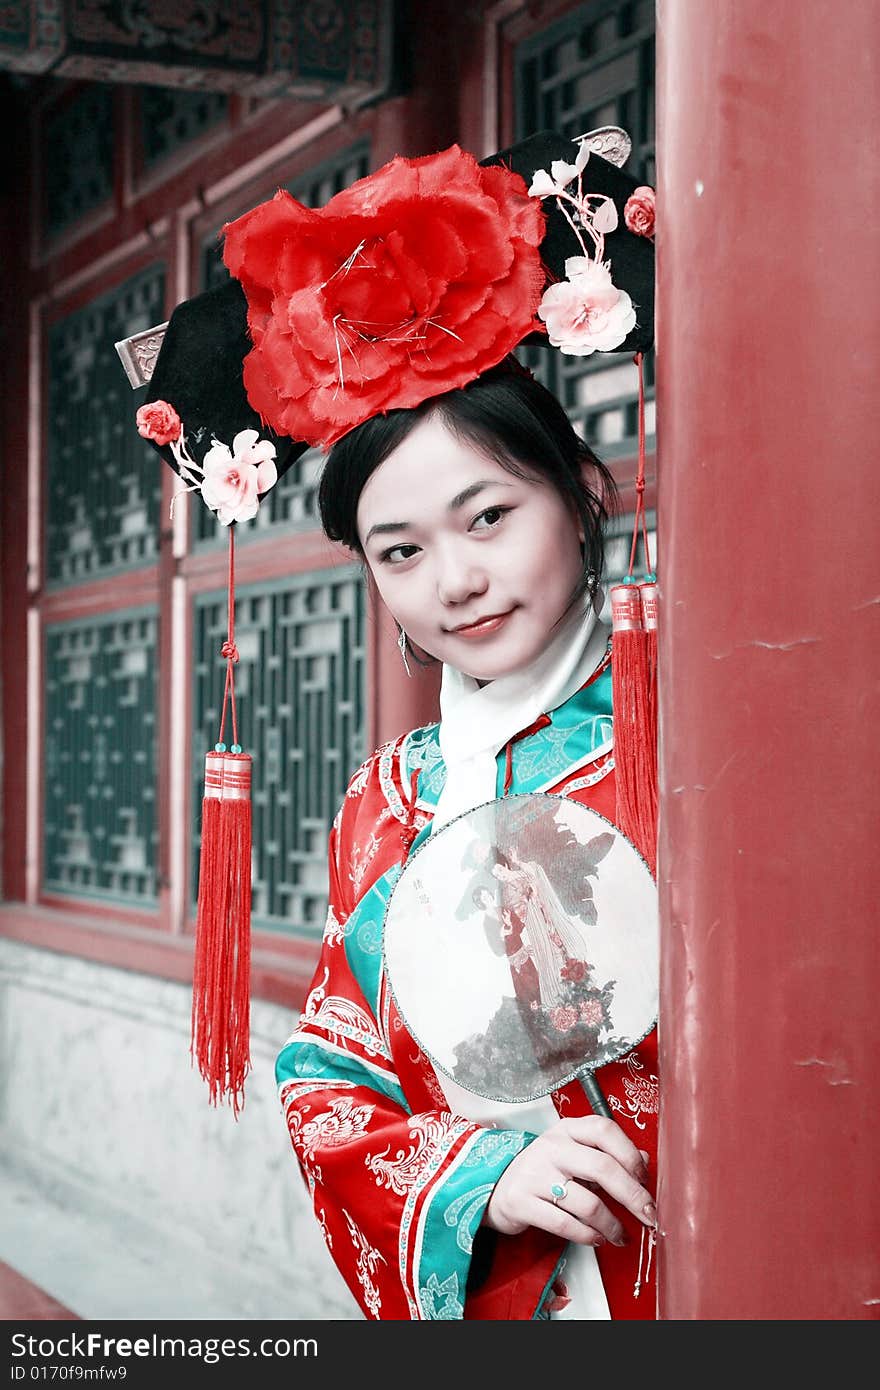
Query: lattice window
103	483
291	503
100	764
77	157
300	700
172	117
594	67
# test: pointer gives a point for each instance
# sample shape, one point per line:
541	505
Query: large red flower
407	284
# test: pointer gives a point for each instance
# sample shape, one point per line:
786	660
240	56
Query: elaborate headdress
413	281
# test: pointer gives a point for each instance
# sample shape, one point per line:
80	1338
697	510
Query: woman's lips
484	628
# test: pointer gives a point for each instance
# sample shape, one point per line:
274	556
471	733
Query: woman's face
476	564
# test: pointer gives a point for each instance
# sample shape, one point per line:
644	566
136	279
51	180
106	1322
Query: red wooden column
769	511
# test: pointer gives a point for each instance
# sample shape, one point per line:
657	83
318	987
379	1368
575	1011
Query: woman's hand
591	1158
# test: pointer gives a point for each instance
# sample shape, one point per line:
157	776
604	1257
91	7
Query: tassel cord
640	523
229	650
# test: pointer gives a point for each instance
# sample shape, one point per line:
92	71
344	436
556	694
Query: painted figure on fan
536	927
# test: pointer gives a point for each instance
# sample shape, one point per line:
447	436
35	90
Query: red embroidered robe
398	1183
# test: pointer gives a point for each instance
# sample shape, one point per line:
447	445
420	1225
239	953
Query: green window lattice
595	67
99	786
172	117
103	481
300	700
77	157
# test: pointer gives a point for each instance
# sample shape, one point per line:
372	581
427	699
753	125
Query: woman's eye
396	554
491	516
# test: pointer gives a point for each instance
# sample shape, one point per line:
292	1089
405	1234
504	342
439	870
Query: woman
479	515
380	328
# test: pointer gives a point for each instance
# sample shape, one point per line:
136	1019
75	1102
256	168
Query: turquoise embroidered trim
362	936
423	752
465	1213
577	730
433	1291
453	1217
303	1059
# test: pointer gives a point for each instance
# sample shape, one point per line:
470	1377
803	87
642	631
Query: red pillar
767	358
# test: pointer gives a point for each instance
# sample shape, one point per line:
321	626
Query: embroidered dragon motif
642	1092
322	1222
342	1122
334	930
431	1133
360	778
362	862
367	1264
341	1018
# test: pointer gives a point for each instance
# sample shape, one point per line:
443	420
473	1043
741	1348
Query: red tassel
221	972
650	611
634	680
634	701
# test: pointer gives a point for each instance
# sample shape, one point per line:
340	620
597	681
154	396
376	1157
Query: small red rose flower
158	421
639	211
573	970
409	283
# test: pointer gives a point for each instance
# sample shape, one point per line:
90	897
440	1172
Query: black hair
511	418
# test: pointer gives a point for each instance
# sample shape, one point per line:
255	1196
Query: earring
401	642
596	593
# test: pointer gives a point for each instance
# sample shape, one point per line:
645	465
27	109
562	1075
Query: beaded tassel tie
649	1236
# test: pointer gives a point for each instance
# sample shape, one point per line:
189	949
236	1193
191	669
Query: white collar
477	721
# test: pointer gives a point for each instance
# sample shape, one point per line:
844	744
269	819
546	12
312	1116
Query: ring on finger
559	1192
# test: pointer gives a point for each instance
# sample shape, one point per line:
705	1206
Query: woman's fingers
595	1132
562	1220
587	1164
581	1215
596	1150
562	1180
586	1207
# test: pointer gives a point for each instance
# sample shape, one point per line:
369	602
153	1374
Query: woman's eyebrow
383	527
467	493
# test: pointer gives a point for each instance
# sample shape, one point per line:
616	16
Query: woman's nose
458	580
